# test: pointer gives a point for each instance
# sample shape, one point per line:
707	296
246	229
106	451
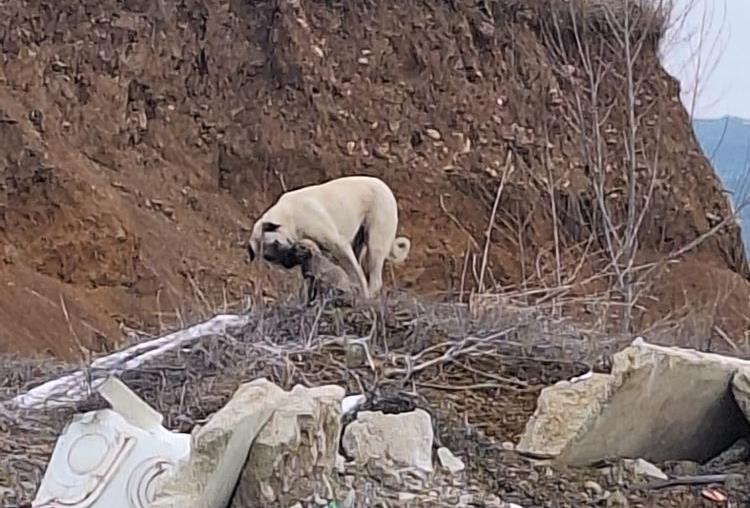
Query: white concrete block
108	459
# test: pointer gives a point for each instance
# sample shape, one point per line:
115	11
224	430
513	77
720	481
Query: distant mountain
726	143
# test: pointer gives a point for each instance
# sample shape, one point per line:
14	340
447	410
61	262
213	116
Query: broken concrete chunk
294	455
660	404
220	449
279	445
561	411
450	462
404	439
125	402
111	457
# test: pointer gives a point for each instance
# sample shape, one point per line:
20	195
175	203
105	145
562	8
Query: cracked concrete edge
642	355
219	450
543	420
741	391
568	412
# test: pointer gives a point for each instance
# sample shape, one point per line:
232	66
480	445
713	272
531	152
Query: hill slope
144	137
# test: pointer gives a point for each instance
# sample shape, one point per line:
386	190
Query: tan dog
353	218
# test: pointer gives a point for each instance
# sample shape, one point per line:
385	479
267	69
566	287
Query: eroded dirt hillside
140	138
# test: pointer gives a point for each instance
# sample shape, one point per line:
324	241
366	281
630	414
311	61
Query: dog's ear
270	227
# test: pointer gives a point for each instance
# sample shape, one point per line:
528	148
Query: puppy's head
306	249
273	242
306	252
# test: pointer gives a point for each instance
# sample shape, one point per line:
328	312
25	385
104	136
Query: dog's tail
399	249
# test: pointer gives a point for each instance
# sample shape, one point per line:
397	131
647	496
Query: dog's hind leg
359	246
380	236
375	261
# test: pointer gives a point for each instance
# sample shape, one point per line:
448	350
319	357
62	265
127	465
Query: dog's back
350	201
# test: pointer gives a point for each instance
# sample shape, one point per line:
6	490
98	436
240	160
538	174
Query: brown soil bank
140	138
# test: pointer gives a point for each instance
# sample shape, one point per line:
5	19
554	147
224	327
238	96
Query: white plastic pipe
73	387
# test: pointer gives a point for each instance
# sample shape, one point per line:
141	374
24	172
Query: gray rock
618	499
594	488
642	467
404	439
450	462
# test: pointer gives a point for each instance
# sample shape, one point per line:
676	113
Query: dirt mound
141	138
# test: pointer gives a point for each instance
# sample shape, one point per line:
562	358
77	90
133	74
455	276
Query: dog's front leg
342	252
312	288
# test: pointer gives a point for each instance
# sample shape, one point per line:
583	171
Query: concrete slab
659	403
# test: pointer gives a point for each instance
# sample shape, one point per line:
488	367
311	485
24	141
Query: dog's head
272	241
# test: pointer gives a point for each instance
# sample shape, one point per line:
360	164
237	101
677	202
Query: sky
718	31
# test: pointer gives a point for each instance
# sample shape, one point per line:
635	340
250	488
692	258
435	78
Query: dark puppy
319	272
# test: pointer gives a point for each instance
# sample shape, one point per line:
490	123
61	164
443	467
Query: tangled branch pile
394	352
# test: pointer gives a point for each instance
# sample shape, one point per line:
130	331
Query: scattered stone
617	499
449	461
363	60
340	464
466	500
642	467
349	500
404	439
406	496
219	450
593	488
433	134
381	151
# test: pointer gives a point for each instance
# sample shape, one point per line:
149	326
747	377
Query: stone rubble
270	447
